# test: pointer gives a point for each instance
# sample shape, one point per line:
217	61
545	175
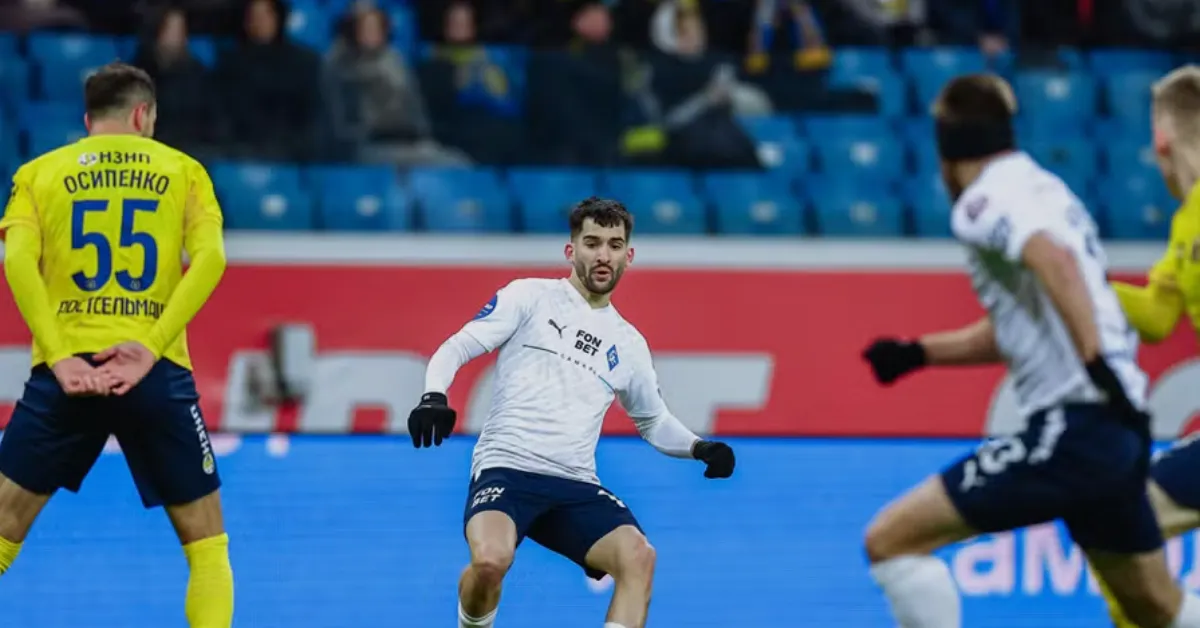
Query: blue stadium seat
925	158
44	138
53	50
890	91
753	203
1034	129
545	196
14	82
64	80
8	46
1066	157
309	24
462	200
262	196
1118	61
857	127
880	159
926	195
360	198
857	211
929	68
204	49
1129	157
917	130
852	62
777	144
1056	96
1136	207
32	114
1127	94
662	201
404	28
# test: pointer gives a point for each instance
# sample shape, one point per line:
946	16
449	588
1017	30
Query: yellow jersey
1174	282
114	215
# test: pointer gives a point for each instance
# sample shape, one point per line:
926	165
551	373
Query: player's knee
880	543
636	560
490	562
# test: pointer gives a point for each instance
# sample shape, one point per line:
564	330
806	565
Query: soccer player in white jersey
565	353
1040	273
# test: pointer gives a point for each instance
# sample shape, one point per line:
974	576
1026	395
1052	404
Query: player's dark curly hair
605	212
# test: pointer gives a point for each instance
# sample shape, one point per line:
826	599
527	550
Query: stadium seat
1136	207
851	62
545	196
360	198
1120	61
32	114
880	159
890	91
662	201
1056	96
1068	157
926	195
1035	129
204	49
44	138
925	158
1129	157
857	127
8	45
309	24
778	144
753	203
52	50
1127	94
14	82
64	80
462	200
262	196
929	68
857	211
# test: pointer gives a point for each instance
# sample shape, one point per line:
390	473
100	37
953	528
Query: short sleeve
1165	271
20	208
642	398
202	204
501	316
985	221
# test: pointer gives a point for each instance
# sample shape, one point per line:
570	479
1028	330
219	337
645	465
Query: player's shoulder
630	335
531	286
1008	189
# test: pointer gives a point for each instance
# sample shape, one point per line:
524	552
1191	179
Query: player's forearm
29	291
451	356
667	434
1153	310
197	285
972	345
1058	272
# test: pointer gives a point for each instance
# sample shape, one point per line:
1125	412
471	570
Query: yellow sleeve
22	268
1153	310
204	241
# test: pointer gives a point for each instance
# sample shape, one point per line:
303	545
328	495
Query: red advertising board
747	352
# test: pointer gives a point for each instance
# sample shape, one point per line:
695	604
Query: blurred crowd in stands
557	82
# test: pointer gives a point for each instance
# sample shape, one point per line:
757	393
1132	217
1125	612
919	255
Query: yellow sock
1114	608
210	586
8	554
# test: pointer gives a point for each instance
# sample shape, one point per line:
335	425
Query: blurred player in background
1173	287
1038	269
94	240
565	353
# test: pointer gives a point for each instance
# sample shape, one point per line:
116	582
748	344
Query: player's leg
166	446
591	526
51	442
498	511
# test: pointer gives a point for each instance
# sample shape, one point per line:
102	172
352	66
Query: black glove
717	456
1107	381
431	421
891	359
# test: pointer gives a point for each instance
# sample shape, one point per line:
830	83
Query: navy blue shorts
1177	471
564	516
53	440
1078	463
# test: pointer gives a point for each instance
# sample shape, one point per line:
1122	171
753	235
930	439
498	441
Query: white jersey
1011	200
561	364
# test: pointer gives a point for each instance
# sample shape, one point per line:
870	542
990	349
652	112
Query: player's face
599	256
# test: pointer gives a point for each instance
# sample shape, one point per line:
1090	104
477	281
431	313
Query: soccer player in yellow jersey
94	239
1173	288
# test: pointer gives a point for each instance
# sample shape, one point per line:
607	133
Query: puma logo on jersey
556	327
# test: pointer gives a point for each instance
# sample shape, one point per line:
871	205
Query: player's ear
87	123
1162	143
569	251
629	255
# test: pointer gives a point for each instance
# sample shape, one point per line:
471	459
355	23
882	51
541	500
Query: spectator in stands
474	102
694	89
577	96
187	109
271	87
27	15
375	95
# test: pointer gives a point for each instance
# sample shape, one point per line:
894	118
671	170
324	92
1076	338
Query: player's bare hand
432	421
126	364
78	378
717	456
891	359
